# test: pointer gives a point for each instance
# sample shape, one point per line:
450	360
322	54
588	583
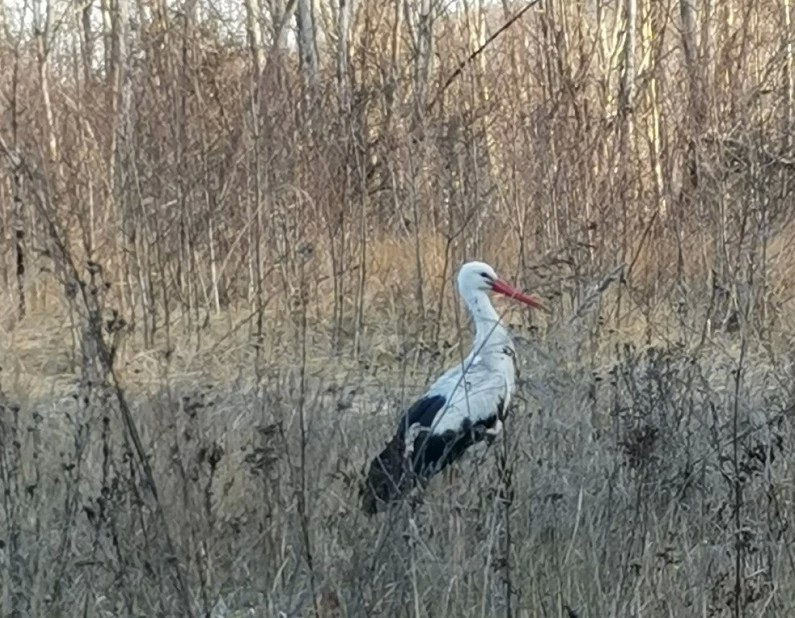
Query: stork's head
480	277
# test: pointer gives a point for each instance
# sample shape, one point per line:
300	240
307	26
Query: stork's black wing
420	453
422	412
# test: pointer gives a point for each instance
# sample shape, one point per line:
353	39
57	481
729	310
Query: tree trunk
626	130
788	82
343	51
687	13
627	91
254	35
18	215
88	40
43	29
305	22
651	34
422	60
280	13
391	91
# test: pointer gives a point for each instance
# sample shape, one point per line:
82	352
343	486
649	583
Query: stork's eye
485	275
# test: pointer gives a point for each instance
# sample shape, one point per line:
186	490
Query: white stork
464	406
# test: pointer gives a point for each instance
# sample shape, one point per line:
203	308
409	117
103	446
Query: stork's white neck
486	319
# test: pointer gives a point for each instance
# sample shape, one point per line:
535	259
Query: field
230	237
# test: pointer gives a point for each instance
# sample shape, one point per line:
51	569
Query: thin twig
464	63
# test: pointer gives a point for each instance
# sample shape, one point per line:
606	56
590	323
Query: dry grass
619	470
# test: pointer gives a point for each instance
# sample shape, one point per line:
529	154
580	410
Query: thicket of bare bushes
229	234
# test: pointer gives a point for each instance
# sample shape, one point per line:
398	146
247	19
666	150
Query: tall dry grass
224	273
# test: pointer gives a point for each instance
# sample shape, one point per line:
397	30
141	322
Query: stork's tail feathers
388	480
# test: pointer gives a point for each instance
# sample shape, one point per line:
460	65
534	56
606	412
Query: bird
462	407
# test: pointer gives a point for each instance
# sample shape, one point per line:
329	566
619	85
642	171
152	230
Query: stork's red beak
501	287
